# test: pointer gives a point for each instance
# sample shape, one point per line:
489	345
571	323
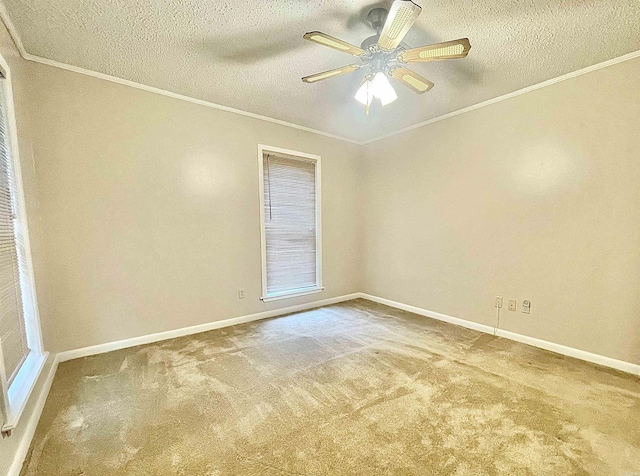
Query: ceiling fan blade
331	73
440	51
411	79
402	15
326	40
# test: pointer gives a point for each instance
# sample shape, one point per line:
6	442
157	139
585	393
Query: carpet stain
356	388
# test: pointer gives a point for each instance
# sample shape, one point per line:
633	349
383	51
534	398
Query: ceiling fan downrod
377	17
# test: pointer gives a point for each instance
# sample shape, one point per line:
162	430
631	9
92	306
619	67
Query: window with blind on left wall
21	353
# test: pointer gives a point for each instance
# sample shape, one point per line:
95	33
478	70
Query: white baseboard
184	331
542	344
32	422
160	336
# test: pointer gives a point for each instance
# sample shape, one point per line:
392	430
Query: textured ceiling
251	55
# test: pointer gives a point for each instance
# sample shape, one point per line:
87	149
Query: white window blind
290	224
13	337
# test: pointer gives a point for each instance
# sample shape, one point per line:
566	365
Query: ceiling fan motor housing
369	42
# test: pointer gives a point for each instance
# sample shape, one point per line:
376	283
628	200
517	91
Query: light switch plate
513	304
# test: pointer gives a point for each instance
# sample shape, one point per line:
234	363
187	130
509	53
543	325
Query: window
290	222
21	355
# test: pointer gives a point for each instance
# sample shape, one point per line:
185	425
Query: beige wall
536	197
151	211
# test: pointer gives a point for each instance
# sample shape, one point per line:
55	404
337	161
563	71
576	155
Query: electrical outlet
240	293
526	306
513	304
498	303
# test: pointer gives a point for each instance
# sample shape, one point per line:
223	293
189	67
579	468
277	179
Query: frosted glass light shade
382	89
378	87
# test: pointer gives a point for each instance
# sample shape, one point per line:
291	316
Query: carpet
355	388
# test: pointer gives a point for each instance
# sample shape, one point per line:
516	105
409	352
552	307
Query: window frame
13	398
262	149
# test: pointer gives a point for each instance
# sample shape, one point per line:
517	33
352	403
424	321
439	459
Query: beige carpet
351	389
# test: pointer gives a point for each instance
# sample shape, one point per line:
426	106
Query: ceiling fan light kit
378	87
384	54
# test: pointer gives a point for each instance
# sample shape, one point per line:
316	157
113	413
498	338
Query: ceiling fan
385	54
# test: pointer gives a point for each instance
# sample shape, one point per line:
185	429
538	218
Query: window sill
291	294
22	386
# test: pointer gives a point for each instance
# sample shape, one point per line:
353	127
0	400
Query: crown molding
504	97
15	36
182	97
